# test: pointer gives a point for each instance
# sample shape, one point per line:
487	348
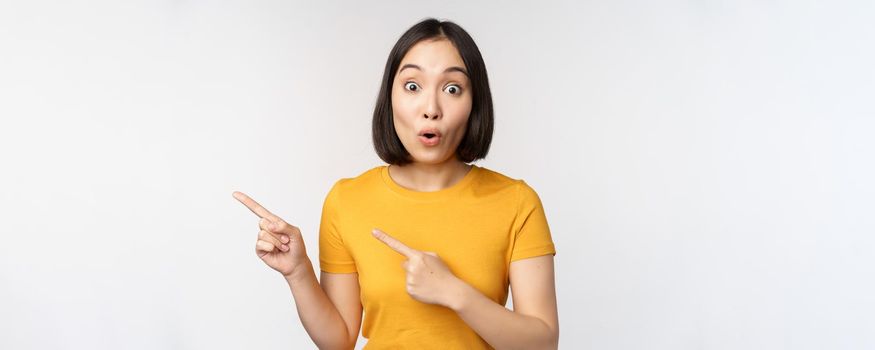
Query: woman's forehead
433	56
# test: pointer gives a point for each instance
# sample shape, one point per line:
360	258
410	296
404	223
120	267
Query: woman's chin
429	158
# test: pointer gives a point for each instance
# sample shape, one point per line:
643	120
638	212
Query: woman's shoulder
351	187
493	180
515	190
364	179
488	175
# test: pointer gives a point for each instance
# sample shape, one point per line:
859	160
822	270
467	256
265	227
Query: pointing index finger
393	243
254	206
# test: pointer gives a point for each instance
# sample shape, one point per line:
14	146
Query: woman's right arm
331	313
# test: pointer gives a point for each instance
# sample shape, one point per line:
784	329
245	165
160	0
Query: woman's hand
280	245
429	279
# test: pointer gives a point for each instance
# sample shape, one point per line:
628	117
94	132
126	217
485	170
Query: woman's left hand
429	279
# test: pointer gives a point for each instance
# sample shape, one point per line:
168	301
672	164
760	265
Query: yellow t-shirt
478	226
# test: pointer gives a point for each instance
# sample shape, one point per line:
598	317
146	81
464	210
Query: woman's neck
424	177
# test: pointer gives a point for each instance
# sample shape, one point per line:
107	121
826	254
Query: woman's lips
433	141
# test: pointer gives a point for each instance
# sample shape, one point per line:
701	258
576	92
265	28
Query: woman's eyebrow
450	69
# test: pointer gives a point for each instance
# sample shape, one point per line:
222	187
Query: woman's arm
322	320
331	312
534	322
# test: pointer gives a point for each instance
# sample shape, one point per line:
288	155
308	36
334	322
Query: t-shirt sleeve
333	255
531	232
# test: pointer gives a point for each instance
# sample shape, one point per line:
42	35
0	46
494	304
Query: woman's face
431	94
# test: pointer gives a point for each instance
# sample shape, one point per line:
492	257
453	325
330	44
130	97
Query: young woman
427	244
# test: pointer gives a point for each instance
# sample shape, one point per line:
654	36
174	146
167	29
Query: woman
428	244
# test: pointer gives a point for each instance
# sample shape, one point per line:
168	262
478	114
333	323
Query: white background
706	166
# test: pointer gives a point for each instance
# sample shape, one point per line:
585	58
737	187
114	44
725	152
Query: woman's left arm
534	322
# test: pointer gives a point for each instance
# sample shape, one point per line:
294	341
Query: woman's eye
453	89
411	86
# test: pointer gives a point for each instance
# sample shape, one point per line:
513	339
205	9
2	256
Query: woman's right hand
280	245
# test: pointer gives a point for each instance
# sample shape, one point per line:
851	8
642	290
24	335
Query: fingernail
285	239
285	247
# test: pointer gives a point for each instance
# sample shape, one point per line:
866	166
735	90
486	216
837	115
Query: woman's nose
432	108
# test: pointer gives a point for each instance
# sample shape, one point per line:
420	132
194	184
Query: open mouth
430	136
430	139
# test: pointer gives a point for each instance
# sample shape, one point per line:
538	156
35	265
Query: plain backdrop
706	166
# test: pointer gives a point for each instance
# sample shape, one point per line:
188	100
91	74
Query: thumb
431	253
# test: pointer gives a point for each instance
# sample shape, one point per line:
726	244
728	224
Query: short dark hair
478	136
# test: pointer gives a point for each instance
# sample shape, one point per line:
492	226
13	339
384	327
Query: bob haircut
478	135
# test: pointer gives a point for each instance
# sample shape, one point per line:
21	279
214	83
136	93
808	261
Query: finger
266	236
270	227
253	206
395	244
263	247
282	227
